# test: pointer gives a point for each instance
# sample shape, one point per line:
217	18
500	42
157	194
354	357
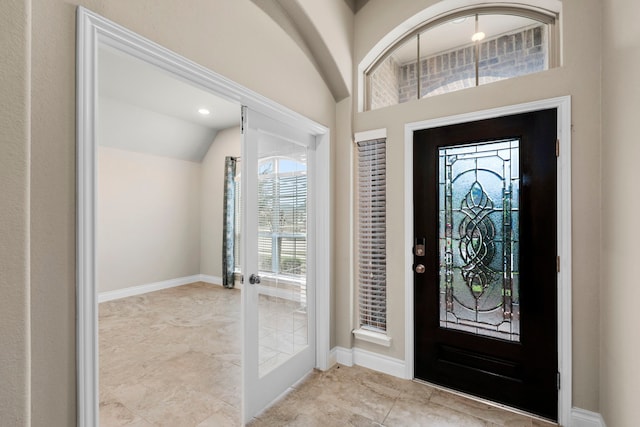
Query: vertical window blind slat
282	219
372	281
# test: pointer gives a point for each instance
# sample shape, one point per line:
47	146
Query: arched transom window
462	49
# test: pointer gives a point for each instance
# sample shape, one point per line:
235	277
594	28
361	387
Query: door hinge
558	380
557	148
243	118
558	264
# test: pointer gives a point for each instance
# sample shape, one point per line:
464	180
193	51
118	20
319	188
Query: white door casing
563	106
94	30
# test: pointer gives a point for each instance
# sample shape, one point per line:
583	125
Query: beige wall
620	329
232	37
263	58
343	303
226	143
580	78
14	212
160	218
148	227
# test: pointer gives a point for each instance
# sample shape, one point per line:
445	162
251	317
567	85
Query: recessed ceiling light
478	36
459	20
204	111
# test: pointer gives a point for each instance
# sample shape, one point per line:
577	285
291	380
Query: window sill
372	337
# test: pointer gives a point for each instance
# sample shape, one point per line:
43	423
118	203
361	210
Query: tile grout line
135	413
477	416
395	400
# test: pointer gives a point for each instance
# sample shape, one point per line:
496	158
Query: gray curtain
228	231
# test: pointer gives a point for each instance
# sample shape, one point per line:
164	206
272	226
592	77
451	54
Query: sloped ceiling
144	109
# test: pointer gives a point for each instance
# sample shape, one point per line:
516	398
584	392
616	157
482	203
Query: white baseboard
215	280
344	356
212	280
149	287
367	359
584	418
333	357
377	362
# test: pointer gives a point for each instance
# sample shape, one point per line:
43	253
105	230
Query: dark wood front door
485	254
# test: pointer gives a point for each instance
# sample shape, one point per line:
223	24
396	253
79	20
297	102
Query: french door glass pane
479	248
282	254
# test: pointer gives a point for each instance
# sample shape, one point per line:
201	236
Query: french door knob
254	278
419	269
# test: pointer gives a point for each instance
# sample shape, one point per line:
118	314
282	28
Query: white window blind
282	222
282	219
372	253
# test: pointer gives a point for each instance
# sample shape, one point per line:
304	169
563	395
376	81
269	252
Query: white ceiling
144	109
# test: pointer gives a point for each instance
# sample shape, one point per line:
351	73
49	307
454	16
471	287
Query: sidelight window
372	228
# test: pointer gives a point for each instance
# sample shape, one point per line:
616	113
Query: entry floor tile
356	396
172	358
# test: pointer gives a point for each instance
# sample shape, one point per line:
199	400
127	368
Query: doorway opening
168	330
96	32
485	280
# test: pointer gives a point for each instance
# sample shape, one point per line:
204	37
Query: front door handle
419	269
254	279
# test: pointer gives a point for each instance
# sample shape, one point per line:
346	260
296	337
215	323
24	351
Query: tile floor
355	396
282	332
172	358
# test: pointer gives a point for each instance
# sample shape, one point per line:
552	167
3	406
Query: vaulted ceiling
355	5
324	31
142	108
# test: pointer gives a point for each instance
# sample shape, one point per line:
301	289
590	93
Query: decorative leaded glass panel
478	233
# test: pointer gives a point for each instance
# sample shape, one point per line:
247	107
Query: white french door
278	293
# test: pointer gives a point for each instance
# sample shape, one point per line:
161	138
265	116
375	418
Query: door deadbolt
419	269
254	279
419	247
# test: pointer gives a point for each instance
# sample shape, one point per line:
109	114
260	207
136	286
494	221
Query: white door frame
563	105
93	30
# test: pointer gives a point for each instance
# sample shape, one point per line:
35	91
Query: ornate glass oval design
477	246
